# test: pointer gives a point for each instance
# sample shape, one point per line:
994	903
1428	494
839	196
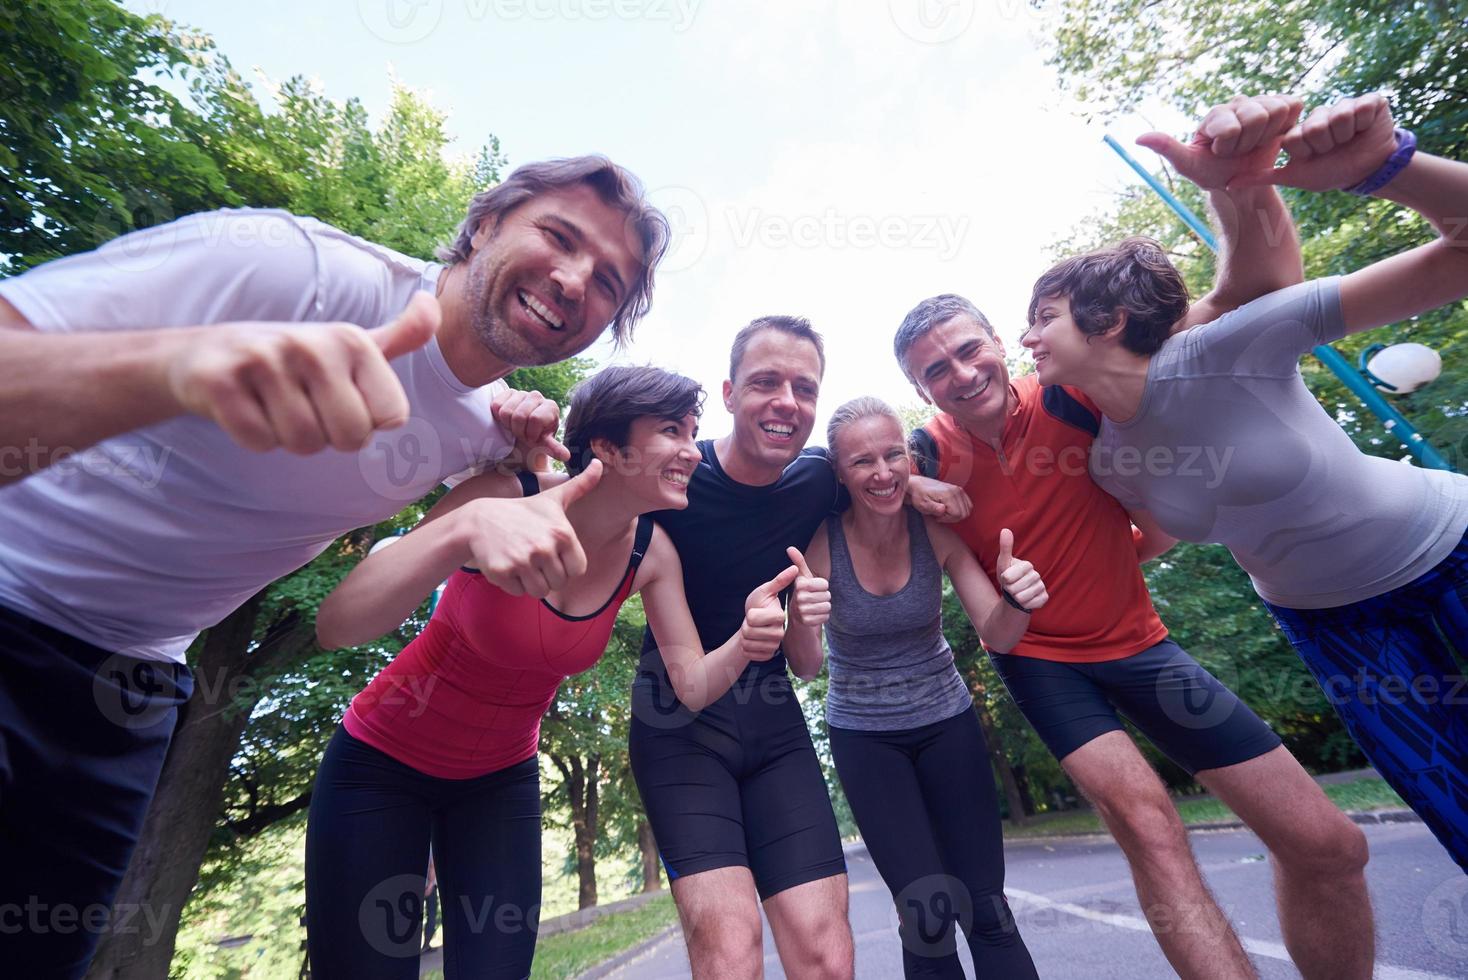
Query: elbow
331	634
688	697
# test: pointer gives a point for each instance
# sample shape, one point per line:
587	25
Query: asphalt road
1077	910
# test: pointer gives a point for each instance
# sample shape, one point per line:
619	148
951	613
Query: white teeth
541	310
883	493
973	394
679	478
777	429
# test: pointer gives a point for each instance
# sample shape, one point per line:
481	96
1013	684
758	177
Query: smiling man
230	348
735	794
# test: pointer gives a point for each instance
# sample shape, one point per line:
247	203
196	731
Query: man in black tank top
735	794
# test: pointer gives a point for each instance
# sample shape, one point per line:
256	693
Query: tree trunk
186	806
1006	773
651	867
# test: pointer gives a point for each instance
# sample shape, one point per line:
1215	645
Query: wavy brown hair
1133	275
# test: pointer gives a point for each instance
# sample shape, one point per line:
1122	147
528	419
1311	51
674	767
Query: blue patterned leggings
1388	665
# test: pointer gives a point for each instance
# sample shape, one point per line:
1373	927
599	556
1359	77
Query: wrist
1395	163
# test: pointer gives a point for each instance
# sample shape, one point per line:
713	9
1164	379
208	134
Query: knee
731	938
830	955
1148	821
1338	849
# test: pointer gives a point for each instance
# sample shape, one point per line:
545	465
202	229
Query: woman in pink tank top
441	746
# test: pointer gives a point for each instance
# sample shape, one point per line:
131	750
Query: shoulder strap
1060	404
641	541
529	483
924	452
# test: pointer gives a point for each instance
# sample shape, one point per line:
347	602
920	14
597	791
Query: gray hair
864	407
933	312
616	187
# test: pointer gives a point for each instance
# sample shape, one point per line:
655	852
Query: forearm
385	588
1004	627
1258	248
61	393
803	650
701	679
1437	189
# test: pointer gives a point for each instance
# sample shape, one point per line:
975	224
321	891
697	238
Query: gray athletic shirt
890	666
1229	446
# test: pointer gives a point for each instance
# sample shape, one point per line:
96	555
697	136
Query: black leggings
924	801
367	861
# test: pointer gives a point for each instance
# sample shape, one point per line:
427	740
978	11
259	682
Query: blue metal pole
1392	420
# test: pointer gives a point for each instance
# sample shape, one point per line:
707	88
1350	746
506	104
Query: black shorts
737	785
1181	708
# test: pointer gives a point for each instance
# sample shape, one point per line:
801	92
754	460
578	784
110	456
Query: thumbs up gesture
764	619
810	604
299	387
1021	583
527	546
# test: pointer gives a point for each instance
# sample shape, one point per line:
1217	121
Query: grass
571	953
1359	794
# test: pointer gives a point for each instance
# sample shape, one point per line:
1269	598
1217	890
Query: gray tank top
890	666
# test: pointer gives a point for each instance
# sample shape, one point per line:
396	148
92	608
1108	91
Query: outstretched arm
1259	251
520	545
267	385
700	678
1343	144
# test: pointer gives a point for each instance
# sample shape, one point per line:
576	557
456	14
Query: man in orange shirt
1098	648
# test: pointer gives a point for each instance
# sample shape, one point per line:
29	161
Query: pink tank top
465	698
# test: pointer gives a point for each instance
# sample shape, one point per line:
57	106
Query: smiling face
656	463
872	462
1061	351
547	278
773	399
959	367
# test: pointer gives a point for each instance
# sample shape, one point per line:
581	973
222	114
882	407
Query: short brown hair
1133	275
795	326
605	405
617	188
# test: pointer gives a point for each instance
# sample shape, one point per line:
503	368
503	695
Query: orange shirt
1076	535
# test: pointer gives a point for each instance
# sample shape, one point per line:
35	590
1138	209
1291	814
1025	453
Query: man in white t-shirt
194	410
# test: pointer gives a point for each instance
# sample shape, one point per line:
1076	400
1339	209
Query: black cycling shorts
1185	711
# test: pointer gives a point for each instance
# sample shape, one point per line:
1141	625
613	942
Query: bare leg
1194	935
812	929
1319	859
719	910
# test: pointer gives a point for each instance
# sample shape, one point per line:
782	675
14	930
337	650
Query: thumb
1164	146
800	563
1006	549
412	328
579	485
773	587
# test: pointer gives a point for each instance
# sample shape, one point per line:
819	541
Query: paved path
1076	907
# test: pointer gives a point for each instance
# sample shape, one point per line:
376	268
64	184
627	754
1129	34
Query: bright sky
839	161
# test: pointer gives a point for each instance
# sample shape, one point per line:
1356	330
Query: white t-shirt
140	542
1228	445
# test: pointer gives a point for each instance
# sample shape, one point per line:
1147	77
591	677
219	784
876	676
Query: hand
764	620
944	502
301	387
810	603
1337	146
527	546
531	419
1241	136
1018	577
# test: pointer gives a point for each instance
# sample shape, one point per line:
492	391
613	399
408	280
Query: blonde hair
858	408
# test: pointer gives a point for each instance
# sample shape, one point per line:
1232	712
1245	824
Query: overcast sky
835	160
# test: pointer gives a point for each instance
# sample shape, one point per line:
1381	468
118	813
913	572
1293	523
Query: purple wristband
1406	146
